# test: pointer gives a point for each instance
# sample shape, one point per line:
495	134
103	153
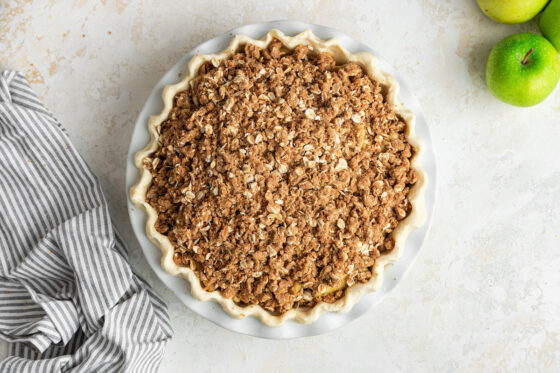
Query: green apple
511	11
523	69
550	23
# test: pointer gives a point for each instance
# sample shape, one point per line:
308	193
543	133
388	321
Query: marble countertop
484	292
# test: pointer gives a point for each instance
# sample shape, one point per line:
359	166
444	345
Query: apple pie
282	176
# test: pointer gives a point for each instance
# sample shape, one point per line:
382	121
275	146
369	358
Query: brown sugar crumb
280	176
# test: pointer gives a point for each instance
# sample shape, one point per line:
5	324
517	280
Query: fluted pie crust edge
354	293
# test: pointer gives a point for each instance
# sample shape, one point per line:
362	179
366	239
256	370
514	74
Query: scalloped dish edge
354	293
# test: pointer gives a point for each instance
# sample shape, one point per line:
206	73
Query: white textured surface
484	293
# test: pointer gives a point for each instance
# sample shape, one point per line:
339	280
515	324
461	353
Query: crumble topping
280	176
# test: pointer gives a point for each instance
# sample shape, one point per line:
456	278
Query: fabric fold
69	300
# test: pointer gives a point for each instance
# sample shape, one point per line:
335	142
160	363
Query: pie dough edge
354	293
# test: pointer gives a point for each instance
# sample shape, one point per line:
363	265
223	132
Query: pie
282	176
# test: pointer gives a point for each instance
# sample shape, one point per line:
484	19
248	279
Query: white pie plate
213	311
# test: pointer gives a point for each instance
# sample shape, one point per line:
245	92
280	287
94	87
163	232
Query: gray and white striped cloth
69	301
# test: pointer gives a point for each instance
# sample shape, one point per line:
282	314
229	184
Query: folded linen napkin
69	301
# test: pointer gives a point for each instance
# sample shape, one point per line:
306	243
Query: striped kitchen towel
69	301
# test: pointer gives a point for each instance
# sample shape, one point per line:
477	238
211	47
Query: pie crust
353	293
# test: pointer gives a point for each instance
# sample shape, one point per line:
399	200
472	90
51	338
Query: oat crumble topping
280	176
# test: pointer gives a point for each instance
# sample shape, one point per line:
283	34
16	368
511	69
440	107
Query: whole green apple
550	23
511	11
523	69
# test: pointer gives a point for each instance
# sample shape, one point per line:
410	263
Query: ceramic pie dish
339	292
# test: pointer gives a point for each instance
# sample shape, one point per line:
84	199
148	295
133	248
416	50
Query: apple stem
524	62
